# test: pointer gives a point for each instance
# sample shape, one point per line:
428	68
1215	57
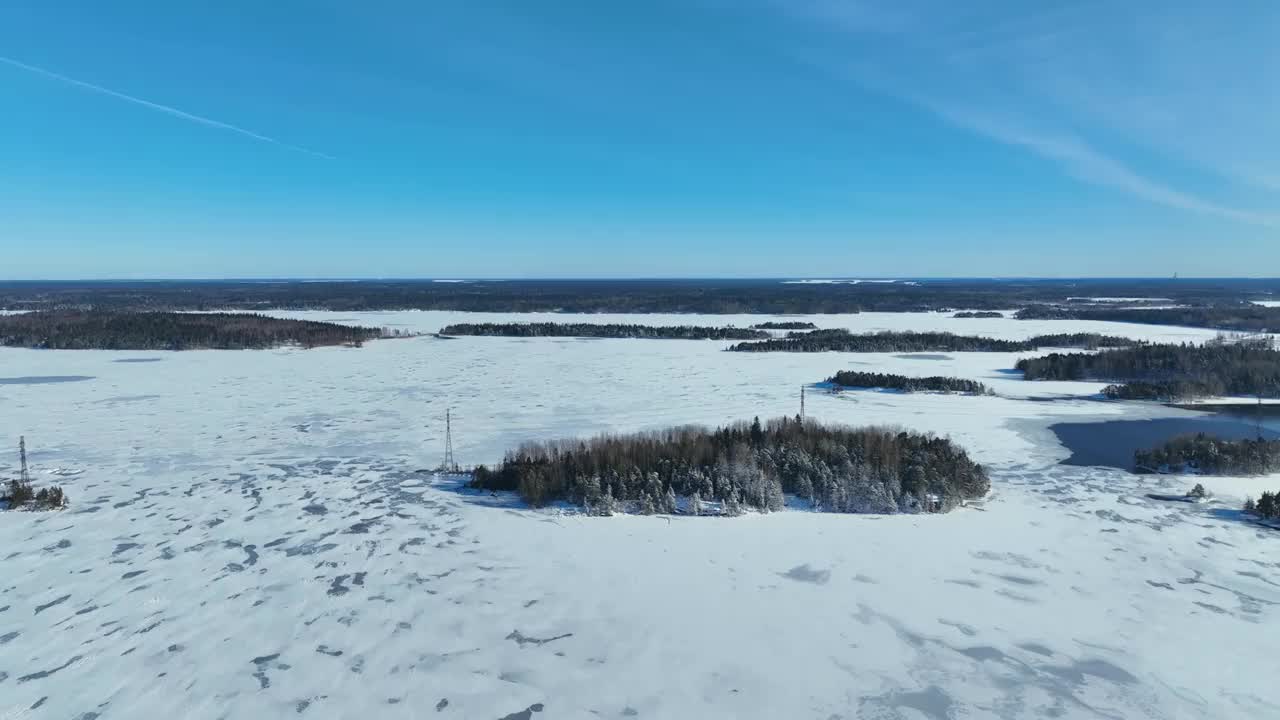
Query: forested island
1169	372
746	465
787	325
855	379
590	330
887	341
110	330
1239	316
1209	455
978	314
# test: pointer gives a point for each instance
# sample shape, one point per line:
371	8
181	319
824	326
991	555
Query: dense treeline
107	330
771	297
980	314
845	341
1169	372
1211	456
694	470
788	325
550	329
1244	317
855	379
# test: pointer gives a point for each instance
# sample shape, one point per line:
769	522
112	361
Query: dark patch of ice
1101	669
336	588
124	547
1018	580
526	714
46	673
43	379
982	653
260	674
922	356
804	573
46	606
521	639
931	702
1037	648
963	628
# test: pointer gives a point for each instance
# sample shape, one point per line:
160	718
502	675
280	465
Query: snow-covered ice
250	535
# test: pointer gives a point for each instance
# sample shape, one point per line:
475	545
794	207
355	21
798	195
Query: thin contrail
162	108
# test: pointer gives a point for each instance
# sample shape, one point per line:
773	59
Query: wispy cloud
1152	99
209	122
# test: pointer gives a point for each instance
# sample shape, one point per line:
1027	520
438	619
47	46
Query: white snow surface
1267	303
250	537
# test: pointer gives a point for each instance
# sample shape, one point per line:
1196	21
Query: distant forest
845	341
980	314
1211	456
105	330
854	379
550	329
1244	317
771	297
1169	372
788	325
837	469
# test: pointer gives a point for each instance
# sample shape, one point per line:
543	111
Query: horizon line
646	278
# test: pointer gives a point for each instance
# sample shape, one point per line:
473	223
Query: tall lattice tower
449	464
25	473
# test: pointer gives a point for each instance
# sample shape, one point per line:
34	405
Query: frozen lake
249	536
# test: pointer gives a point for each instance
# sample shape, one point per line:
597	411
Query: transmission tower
801	403
24	474
449	465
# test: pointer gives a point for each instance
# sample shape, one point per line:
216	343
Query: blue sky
590	139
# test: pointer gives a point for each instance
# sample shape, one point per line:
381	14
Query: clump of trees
787	325
1267	507
979	314
1211	455
852	378
550	329
888	341
1169	372
19	493
745	465
114	330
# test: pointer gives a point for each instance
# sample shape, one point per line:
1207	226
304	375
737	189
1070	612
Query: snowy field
251	536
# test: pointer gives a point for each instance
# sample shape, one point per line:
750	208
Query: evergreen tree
669	502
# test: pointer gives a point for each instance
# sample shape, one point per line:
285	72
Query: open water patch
1111	443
